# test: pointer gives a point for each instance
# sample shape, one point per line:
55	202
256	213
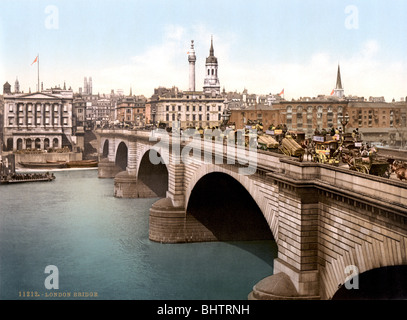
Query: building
131	110
380	121
38	120
7	88
377	122
1	122
87	86
102	110
191	108
78	111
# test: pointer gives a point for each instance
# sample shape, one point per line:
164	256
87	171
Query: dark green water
100	245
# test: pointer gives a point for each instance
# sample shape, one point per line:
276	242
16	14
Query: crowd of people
28	176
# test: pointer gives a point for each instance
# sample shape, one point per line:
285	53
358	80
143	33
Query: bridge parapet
370	188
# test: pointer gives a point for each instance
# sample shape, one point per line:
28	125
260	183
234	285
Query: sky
263	46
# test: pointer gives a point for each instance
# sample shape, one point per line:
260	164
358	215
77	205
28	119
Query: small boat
39	165
26	177
82	164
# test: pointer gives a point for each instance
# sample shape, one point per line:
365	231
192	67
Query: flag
282	92
333	90
36	59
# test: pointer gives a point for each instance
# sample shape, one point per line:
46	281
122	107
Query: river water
100	247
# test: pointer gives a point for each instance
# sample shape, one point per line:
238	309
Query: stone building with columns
40	120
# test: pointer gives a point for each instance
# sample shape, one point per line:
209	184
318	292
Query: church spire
338	79
211	51
338	91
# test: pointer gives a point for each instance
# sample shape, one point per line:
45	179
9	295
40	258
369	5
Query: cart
267	142
372	166
291	148
326	152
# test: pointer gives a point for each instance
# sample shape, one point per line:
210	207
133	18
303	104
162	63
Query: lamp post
344	121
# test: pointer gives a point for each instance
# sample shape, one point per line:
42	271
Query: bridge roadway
325	220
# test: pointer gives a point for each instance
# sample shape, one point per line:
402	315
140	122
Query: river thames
100	247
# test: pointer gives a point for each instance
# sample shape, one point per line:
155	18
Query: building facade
377	121
190	108
131	110
38	120
1	123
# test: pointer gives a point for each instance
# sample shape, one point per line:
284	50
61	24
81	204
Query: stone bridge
325	220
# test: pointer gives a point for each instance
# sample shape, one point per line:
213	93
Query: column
295	274
176	181
132	158
112	150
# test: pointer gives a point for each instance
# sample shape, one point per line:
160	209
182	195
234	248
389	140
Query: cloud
166	64
157	66
365	73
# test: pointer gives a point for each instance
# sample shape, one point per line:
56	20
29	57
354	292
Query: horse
349	160
400	170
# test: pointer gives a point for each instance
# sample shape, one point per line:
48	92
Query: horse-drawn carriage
326	152
372	166
324	149
368	162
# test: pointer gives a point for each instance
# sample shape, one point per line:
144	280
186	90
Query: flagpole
38	71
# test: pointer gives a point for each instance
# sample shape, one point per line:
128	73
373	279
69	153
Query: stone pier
129	186
107	169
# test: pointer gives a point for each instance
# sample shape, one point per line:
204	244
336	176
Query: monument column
192	60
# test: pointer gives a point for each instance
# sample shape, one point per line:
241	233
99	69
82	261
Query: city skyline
261	46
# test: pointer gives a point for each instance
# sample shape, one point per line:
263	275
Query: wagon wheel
363	169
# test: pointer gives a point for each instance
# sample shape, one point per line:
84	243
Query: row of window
310	109
38	122
37	143
187	117
38	108
138	111
167	108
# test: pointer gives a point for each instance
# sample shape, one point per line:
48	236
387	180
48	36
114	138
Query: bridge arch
219	185
154	176
121	158
385	283
105	149
366	258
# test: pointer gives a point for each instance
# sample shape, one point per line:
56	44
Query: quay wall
44	157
